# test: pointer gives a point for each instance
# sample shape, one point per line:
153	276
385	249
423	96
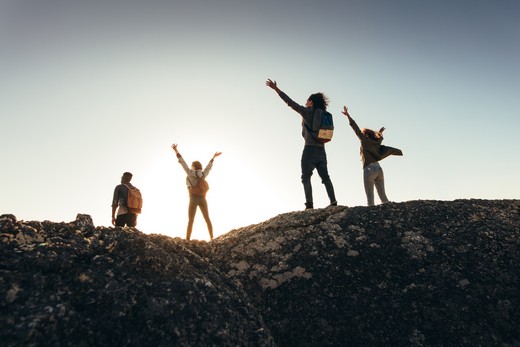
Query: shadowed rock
115	287
420	273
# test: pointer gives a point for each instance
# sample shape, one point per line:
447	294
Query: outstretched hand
216	154
345	111
174	146
272	84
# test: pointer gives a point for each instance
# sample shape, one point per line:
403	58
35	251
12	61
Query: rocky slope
420	273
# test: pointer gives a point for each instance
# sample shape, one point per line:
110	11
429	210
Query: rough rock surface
419	273
70	284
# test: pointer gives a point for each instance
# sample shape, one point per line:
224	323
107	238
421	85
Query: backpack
134	203
326	129
201	188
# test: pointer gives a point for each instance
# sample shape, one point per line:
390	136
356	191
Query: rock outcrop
70	284
419	273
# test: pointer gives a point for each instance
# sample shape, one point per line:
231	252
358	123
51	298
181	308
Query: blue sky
89	90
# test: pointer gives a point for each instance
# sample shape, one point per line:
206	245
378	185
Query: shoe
334	203
309	205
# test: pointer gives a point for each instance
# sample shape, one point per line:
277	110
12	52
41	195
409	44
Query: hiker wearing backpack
197	188
127	201
372	151
314	155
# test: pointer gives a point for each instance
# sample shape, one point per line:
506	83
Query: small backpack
201	188
134	203
326	129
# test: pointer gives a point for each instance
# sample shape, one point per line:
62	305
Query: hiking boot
309	205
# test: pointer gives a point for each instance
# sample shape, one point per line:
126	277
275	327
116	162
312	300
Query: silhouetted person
313	156
193	175
119	203
371	152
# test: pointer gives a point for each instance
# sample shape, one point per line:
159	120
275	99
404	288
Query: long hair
371	134
319	100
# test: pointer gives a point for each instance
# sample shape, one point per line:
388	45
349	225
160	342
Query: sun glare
165	208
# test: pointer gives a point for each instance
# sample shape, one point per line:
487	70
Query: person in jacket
372	151
314	155
193	175
119	201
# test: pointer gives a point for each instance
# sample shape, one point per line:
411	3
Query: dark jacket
310	116
372	150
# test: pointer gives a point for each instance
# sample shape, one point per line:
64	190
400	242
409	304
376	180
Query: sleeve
184	165
208	168
115	199
291	103
307	113
356	129
385	151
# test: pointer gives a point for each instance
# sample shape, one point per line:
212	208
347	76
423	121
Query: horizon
91	90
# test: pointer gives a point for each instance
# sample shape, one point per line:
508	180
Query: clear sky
91	89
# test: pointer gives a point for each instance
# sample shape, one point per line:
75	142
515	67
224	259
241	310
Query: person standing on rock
119	203
194	176
314	155
372	151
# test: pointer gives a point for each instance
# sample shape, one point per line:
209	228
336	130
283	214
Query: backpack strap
128	189
191	184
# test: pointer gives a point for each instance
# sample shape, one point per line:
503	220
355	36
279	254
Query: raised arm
352	123
273	85
181	159
302	110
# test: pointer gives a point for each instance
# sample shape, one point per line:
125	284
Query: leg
380	186
369	180
325	179
192	209
131	220
120	220
205	213
307	168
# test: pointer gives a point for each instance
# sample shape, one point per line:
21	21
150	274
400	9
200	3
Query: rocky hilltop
419	273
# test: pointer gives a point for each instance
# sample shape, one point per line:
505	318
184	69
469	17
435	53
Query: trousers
314	157
127	219
200	202
373	176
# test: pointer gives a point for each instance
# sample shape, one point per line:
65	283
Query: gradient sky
91	89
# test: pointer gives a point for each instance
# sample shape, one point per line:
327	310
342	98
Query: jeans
373	176
198	201
314	157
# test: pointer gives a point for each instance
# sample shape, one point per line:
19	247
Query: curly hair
319	100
